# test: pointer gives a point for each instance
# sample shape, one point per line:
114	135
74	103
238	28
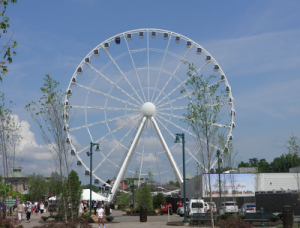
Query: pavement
120	220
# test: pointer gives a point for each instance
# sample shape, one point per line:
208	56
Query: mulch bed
138	214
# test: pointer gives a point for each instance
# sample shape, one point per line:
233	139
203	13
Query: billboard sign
238	185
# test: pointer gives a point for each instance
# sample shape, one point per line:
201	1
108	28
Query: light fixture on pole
177	140
90	154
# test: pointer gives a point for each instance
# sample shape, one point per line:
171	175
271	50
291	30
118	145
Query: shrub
233	221
44	218
241	216
225	216
275	218
109	218
158	200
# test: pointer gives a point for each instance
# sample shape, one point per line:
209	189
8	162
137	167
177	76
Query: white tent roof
52	198
86	195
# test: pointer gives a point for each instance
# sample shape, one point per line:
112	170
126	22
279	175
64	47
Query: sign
9	201
238	185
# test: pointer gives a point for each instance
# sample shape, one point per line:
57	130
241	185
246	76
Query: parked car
213	206
180	210
196	206
229	207
247	208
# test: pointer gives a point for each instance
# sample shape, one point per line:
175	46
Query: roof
17	175
17	167
188	176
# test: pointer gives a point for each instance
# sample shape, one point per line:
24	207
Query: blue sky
255	42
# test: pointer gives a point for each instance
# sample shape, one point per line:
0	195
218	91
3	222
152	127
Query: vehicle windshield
197	205
250	205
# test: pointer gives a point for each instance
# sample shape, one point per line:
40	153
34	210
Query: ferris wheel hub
148	109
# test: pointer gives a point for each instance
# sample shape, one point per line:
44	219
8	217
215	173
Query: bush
241	216
158	200
144	198
275	218
109	218
233	221
44	218
225	216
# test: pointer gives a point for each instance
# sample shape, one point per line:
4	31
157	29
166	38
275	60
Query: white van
196	206
229	207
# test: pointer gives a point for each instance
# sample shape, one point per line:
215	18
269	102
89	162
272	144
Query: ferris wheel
125	96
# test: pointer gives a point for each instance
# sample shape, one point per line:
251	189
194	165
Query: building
17	179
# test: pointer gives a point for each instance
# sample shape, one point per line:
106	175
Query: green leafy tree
175	183
203	114
48	113
10	43
144	198
158	200
37	186
122	199
75	191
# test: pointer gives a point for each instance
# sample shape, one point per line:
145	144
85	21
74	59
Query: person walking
80	209
100	215
20	210
42	207
95	207
28	211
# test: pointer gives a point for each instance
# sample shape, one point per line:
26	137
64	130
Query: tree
48	113
122	199
9	137
158	200
75	191
10	44
175	183
203	112
144	198
293	145
37	187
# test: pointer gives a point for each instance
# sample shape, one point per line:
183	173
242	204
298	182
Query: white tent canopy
86	195
52	198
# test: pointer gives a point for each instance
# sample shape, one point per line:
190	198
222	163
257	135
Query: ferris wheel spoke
117	145
138	78
110	133
182	83
123	75
148	64
107	95
155	149
166	51
104	121
114	84
185	95
172	108
173	74
181	143
183	118
143	153
105	108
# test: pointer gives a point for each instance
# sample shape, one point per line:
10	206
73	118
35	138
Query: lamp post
218	155
90	154
177	140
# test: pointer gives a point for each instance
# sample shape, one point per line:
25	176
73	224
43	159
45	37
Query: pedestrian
100	215
80	209
42	207
84	205
36	208
95	207
28	211
20	210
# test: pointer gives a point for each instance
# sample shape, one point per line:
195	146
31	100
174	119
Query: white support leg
127	159
168	153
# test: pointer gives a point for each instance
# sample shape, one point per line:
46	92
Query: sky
256	43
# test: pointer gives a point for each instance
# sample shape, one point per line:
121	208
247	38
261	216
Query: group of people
98	207
29	208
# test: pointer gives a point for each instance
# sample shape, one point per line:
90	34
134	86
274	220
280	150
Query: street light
90	154
177	140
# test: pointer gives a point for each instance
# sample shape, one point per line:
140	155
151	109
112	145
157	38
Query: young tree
145	198
10	44
158	200
48	113
75	191
9	138
203	113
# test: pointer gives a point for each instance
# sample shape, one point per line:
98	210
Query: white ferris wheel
125	95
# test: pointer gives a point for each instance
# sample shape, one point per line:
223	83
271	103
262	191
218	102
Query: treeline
279	164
